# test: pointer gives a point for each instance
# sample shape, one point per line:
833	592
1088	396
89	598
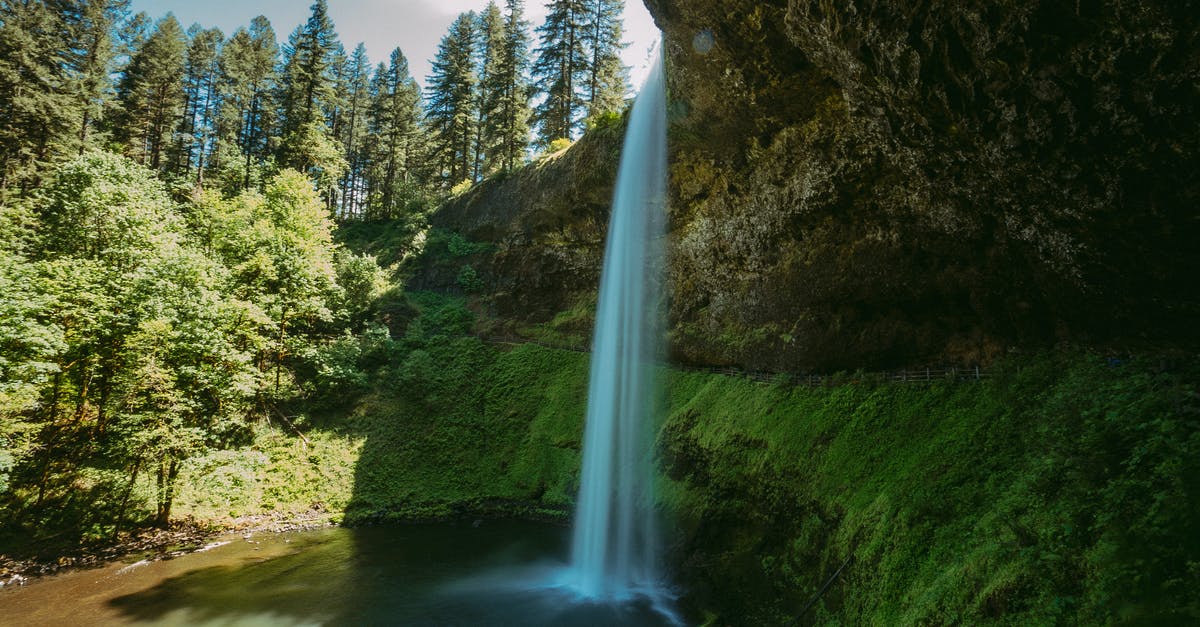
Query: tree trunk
125	499
168	470
279	350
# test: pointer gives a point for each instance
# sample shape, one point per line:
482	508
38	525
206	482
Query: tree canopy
168	198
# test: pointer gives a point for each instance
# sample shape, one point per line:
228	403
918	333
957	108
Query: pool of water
493	573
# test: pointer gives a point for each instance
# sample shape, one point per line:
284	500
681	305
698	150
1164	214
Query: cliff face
864	181
863	184
545	225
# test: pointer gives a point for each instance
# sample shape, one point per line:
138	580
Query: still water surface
499	573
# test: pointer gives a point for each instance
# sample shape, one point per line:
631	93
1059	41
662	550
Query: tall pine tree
608	77
395	114
37	109
352	132
561	69
95	28
309	103
491	49
248	80
152	95
131	36
308	88
506	95
197	129
451	103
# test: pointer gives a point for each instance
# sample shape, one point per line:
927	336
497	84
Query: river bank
183	537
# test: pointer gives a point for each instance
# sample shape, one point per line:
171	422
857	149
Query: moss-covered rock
544	226
1061	490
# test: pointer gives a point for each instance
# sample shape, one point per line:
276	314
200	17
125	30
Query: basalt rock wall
869	184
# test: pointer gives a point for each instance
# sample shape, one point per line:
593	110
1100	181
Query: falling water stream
614	546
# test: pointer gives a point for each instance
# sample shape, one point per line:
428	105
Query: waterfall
614	549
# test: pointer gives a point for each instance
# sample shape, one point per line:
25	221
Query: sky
416	26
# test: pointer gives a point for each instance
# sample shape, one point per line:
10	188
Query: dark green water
499	573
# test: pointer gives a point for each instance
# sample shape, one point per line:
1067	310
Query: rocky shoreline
183	537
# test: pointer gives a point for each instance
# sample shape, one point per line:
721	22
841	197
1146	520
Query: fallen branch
291	426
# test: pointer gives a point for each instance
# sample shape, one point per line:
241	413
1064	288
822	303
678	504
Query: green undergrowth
467	430
280	474
1062	490
453	427
388	240
571	328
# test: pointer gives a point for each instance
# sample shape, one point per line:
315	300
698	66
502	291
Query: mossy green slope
472	430
1062	490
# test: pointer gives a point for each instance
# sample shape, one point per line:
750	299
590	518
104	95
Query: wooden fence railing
917	375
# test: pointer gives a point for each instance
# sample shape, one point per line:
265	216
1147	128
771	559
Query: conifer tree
608	77
308	85
151	94
506	94
335	106
491	50
373	144
37	109
452	102
395	114
95	26
309	103
335	116
131	36
197	131
561	69
353	132
248	79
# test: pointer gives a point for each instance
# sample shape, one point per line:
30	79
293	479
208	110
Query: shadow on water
410	575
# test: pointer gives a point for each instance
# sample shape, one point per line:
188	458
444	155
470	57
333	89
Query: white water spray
614	554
